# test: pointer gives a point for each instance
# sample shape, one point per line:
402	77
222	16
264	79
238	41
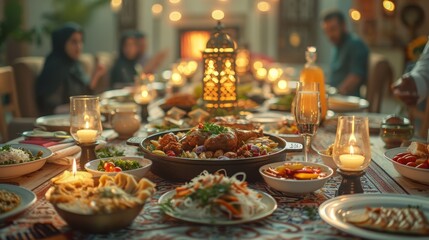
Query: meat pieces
244	135
169	142
225	141
166	139
194	138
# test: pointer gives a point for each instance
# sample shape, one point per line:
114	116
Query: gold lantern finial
219	80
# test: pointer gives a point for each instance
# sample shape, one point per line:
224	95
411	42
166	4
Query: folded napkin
39	141
64	153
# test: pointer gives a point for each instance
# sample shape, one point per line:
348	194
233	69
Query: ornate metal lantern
219	80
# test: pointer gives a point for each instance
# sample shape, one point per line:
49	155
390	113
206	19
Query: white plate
340	103
138	173
28	198
270	203
417	174
331	212
20	169
60	122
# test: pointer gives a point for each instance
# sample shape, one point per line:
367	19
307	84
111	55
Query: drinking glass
307	112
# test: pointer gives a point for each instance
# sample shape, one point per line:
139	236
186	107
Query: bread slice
418	149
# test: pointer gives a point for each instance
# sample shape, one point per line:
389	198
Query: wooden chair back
380	76
7	88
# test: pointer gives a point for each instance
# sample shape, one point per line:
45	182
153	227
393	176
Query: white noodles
250	203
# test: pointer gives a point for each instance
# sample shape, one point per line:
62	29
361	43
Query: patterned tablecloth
295	218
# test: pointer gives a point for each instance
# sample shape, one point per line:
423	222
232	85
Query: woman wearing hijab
124	70
63	75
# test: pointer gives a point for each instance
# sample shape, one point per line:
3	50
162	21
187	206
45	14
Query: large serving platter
27	197
269	201
333	210
183	169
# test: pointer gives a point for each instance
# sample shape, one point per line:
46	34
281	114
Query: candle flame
282	84
74	168
352	139
145	93
352	150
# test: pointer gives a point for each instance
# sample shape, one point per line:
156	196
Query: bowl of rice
20	159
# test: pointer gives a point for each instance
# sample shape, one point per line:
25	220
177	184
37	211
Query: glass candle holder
85	120
143	91
351	152
352	147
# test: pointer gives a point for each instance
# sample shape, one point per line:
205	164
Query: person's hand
406	90
100	70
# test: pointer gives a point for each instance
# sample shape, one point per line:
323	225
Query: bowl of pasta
111	205
211	147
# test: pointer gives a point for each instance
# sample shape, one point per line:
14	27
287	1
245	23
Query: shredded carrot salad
216	196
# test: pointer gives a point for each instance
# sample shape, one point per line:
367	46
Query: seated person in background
414	85
349	65
124	69
142	43
63	75
149	64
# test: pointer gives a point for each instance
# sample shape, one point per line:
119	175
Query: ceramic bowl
99	223
417	174
138	173
20	169
296	186
328	160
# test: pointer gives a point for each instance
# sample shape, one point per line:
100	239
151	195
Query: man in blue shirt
349	65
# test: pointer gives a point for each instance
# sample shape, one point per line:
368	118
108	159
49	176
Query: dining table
296	216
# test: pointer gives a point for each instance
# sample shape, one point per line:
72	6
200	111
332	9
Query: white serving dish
138	173
417	174
20	169
296	186
333	210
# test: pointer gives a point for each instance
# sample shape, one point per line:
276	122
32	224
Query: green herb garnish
214	128
123	164
109	152
206	194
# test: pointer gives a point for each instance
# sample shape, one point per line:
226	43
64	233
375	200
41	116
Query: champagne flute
307	112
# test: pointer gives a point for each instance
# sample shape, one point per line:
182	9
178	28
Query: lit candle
274	74
77	178
177	79
281	87
351	162
87	135
143	96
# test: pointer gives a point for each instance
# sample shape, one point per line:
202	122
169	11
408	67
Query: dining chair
9	107
26	70
414	113
380	77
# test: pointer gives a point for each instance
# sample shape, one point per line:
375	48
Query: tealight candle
281	87
87	135
351	161
143	96
76	178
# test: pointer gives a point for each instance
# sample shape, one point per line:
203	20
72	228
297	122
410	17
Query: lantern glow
219	80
